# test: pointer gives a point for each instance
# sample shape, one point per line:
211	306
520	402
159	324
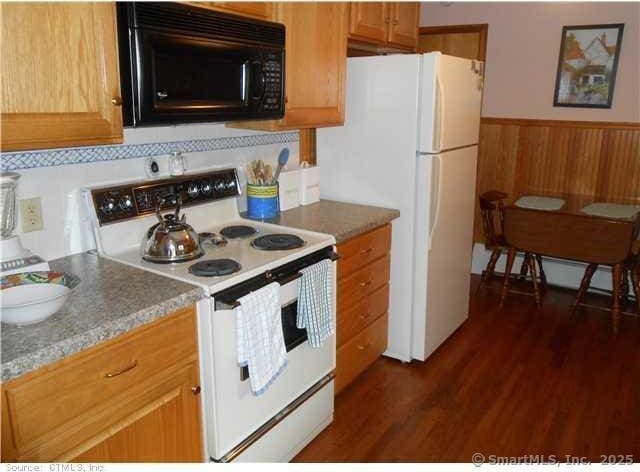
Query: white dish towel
260	338
315	302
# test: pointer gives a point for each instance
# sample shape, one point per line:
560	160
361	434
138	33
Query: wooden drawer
357	317
59	405
360	352
363	282
361	250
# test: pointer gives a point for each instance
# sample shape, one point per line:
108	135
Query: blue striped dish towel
260	338
315	302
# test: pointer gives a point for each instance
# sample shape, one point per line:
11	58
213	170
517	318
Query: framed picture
587	65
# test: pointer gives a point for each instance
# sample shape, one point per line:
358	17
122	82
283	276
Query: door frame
481	28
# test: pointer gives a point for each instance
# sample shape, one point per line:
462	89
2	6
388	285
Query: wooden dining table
560	226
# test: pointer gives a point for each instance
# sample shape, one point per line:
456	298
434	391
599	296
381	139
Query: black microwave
185	64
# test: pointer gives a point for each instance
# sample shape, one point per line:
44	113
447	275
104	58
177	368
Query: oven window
195	76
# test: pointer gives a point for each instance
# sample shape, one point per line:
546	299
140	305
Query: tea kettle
171	239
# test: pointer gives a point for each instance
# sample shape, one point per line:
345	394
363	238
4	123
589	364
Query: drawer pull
115	373
367	283
362	347
365	316
364	252
195	389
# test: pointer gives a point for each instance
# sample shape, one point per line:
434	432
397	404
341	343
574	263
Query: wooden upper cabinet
403	27
316	59
385	24
259	10
369	21
60	79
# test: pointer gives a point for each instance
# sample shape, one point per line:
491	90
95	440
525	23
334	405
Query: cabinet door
316	59
165	429
60	80
403	30
368	21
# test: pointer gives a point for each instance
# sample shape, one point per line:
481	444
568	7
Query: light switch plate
31	214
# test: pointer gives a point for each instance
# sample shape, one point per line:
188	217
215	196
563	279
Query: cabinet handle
367	283
362	347
117	101
365	316
364	252
387	20
395	22
115	373
195	389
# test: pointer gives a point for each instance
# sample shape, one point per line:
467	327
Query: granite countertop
112	298
342	220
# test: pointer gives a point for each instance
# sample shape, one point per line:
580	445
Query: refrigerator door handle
435	193
439	115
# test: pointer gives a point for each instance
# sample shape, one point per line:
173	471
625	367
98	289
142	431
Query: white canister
289	189
309	185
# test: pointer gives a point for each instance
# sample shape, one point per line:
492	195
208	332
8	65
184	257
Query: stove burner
277	242
238	231
212	239
214	267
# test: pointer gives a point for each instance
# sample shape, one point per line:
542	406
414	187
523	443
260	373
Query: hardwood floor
514	382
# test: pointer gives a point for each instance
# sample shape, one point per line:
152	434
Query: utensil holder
262	201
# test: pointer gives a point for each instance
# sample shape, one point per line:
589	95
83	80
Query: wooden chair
583	238
630	270
492	214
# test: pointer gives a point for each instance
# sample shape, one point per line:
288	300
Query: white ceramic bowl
32	297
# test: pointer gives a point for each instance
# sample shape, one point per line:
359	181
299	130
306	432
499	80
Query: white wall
58	187
522	54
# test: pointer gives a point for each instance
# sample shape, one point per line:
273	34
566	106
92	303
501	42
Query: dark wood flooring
514	382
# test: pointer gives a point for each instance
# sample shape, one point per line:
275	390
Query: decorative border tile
61	157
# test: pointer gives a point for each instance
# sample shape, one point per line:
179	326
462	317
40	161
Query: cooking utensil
283	158
268	174
171	239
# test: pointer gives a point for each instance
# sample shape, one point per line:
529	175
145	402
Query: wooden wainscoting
549	157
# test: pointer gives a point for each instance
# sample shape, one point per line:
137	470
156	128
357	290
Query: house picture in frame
587	65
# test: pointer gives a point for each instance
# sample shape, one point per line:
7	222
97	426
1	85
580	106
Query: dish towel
315	302
260	338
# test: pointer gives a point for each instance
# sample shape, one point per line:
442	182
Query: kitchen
177	120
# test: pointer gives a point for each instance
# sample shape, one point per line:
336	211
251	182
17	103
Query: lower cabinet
363	303
133	398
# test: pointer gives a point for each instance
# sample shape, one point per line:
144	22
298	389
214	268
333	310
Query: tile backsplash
56	176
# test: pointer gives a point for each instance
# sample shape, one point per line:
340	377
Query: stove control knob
231	184
220	186
108	205
206	188
125	203
192	190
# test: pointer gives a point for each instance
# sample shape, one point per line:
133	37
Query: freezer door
451	99
444	240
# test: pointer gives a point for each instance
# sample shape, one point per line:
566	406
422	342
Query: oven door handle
221	305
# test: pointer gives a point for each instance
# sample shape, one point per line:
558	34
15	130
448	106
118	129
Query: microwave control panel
273	87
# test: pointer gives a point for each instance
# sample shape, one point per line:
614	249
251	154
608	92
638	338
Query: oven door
239	413
180	78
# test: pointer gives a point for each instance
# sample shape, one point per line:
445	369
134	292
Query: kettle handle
163	199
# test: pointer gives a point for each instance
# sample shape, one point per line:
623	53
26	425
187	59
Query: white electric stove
238	426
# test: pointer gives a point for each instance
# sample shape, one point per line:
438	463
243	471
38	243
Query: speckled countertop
112	298
342	220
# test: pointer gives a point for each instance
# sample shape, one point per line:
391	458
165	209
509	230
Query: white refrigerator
410	142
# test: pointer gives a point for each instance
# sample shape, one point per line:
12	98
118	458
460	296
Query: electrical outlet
31	214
